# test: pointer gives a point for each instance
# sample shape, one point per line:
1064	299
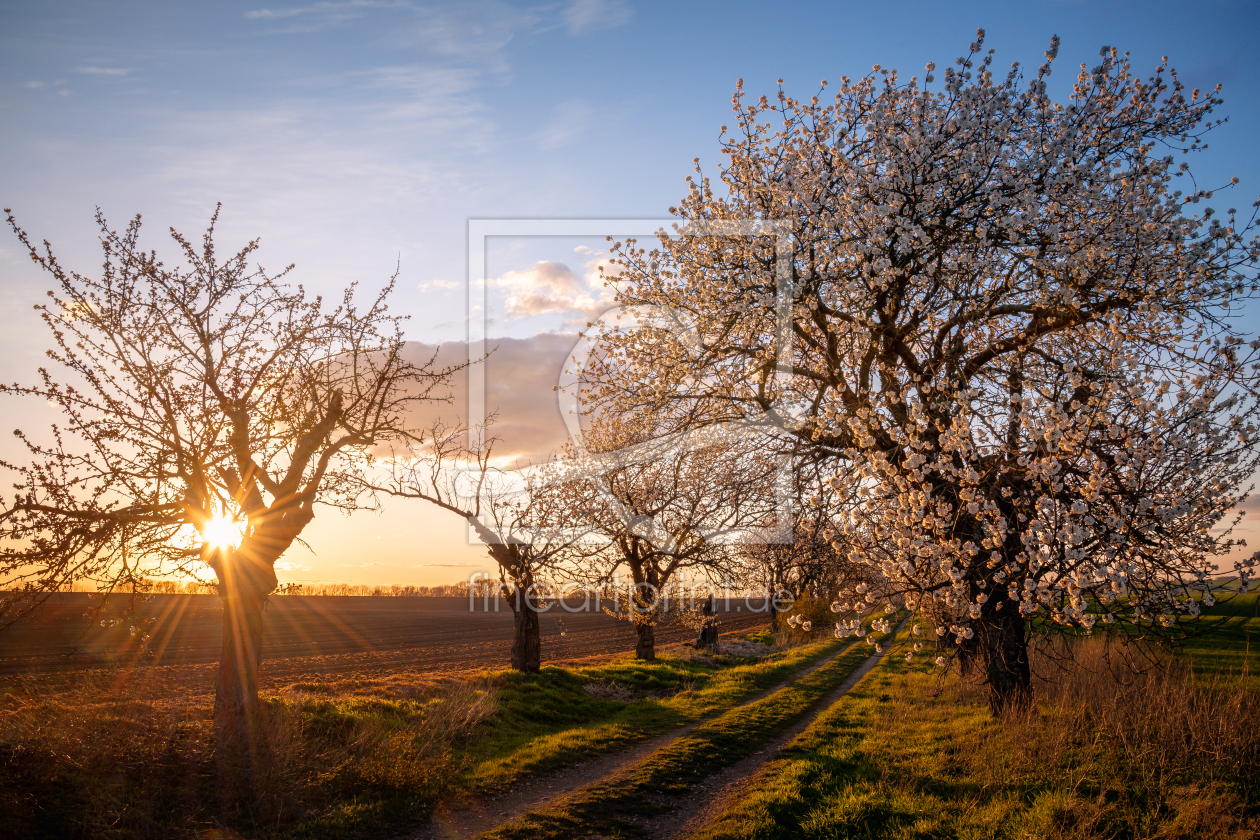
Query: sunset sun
222	532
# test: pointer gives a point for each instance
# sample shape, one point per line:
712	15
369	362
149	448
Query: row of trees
1012	340
622	501
207	409
978	357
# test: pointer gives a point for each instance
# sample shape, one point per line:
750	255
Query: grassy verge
910	754
551	720
355	758
672	769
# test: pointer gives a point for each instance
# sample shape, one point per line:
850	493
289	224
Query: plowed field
311	638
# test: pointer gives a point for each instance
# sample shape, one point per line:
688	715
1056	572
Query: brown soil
305	640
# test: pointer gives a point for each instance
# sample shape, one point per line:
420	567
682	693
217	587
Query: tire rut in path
710	798
469	816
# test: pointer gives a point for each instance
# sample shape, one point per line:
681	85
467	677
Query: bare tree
799	557
526	526
667	505
207	409
999	317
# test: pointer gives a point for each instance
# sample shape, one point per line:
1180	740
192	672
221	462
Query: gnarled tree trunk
1001	649
526	636
242	748
642	600
708	638
645	646
514	566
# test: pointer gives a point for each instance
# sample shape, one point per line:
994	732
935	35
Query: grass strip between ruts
780	805
671	770
524	742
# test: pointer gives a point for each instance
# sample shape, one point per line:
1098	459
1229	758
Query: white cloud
332	11
286	566
588	15
103	71
356	157
552	287
471	29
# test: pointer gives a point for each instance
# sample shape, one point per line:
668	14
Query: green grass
1230	638
671	770
846	776
535	723
548	720
905	755
363	757
765	637
913	754
1224	639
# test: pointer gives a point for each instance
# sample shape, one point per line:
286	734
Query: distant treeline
390	591
192	587
479	588
144	585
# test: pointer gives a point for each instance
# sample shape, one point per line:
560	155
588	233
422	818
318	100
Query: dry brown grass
129	752
1161	751
91	763
1103	753
1167	722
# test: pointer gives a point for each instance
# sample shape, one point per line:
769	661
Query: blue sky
354	135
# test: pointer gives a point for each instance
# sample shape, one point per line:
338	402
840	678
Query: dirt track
470	816
313	638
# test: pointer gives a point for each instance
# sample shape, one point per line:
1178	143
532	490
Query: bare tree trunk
526	637
1003	653
1000	646
708	638
776	622
242	748
645	647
